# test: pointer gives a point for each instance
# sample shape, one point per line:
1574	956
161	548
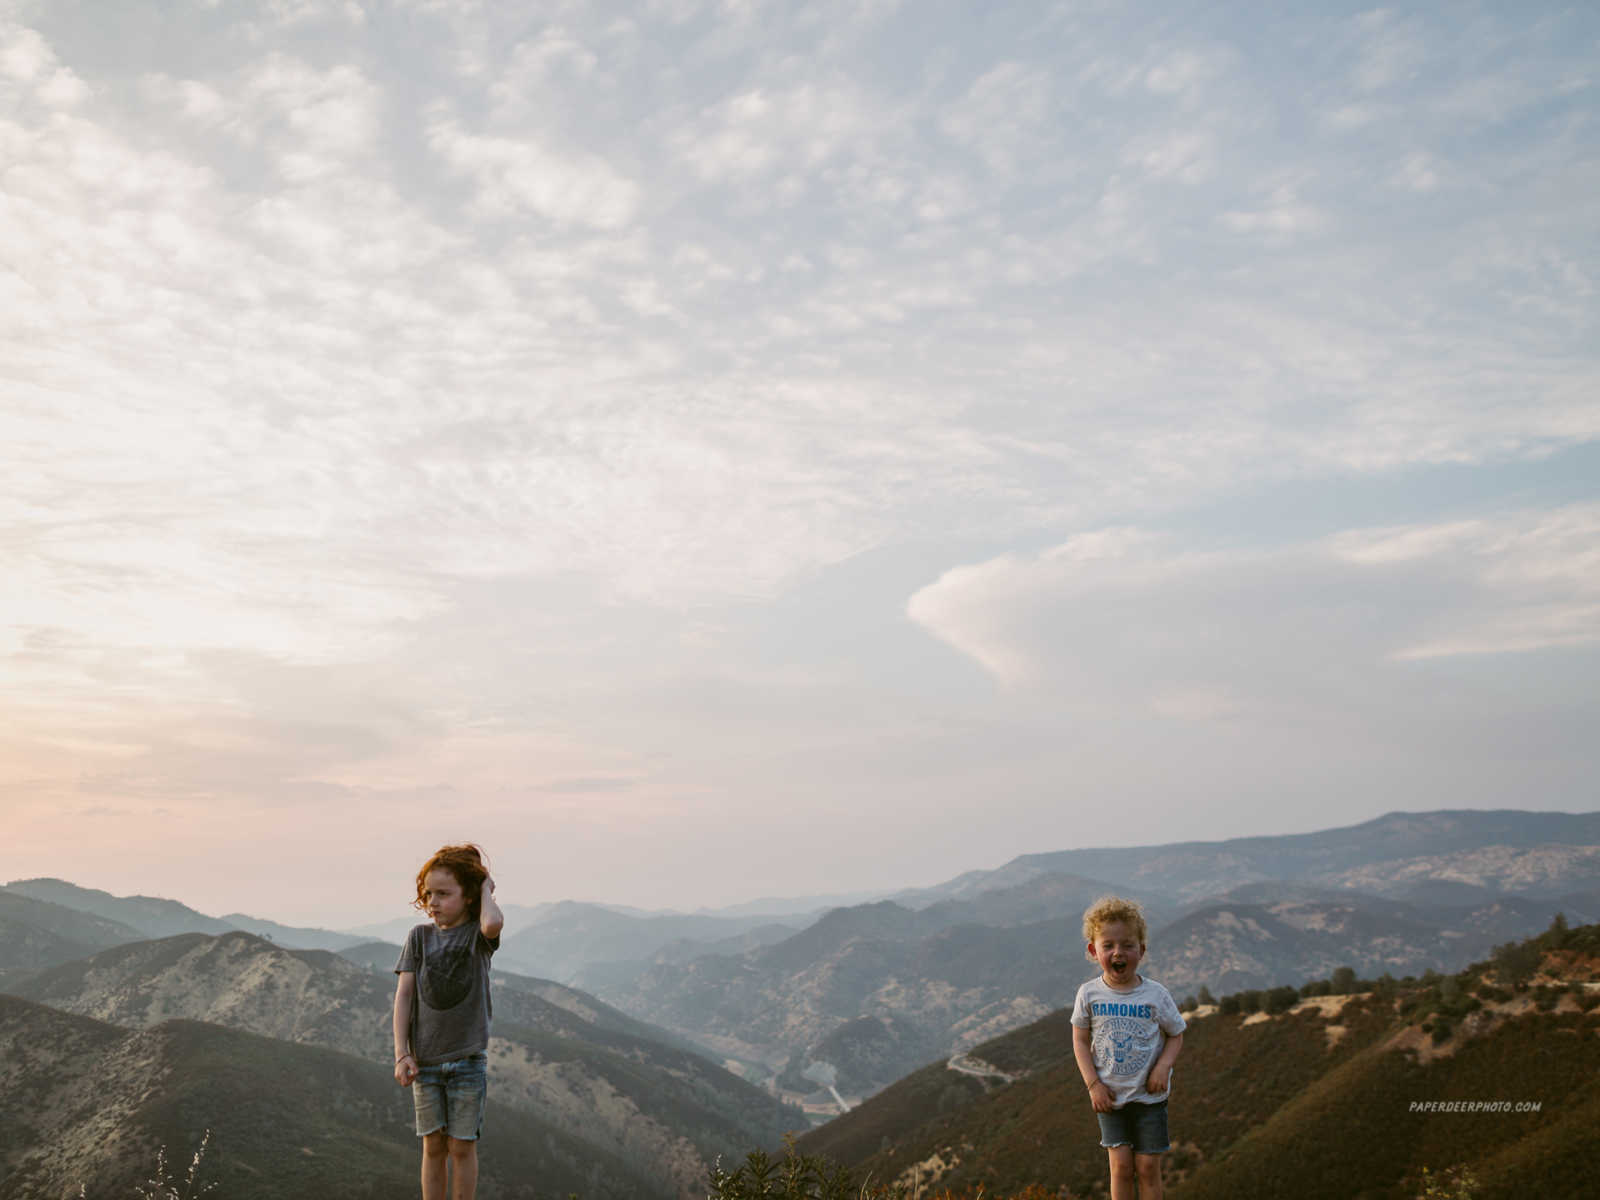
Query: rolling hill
38	933
85	1103
587	1072
1267	1105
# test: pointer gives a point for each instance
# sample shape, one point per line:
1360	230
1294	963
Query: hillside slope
1272	1105
665	1110
37	933
86	1103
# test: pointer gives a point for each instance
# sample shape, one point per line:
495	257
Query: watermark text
1476	1106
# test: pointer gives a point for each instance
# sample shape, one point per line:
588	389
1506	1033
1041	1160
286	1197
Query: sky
710	450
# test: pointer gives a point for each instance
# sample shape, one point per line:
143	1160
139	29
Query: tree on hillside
1559	933
1516	962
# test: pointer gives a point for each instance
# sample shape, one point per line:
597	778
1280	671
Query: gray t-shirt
1128	1031
450	1007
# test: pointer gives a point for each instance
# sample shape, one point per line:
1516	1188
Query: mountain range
874	990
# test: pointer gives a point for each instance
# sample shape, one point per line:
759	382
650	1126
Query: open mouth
1119	965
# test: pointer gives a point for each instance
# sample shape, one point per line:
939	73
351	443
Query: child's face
1117	948
447	904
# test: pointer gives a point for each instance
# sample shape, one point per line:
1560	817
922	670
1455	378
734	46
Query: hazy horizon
401	907
707	449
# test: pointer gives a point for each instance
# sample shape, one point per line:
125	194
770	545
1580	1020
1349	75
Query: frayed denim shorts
451	1095
1142	1126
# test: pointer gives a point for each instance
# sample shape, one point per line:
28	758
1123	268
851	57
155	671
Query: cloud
1003	116
1123	612
768	129
1529	582
1282	216
519	175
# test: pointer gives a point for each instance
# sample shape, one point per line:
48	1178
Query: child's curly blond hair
1113	908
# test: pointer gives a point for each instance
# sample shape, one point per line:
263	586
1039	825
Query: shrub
795	1176
1457	1183
1280	999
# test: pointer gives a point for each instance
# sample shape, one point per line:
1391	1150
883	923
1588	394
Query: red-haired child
441	1015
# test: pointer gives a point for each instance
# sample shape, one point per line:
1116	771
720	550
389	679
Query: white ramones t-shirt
1128	1030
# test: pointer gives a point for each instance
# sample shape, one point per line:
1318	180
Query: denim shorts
451	1095
1142	1126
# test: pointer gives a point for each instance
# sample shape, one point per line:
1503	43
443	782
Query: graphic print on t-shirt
1117	1049
446	975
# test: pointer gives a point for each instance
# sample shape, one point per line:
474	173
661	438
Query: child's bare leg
463	1169
433	1161
1149	1168
1122	1176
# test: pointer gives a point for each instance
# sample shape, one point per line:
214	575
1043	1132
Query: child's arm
1083	1051
1162	1071
405	1065
490	919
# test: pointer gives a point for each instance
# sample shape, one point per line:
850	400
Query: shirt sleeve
410	953
487	945
1080	1008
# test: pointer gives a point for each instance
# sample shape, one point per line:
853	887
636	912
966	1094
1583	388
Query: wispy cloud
1128	613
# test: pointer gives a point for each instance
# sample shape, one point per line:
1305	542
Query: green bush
1516	962
1457	1183
1280	999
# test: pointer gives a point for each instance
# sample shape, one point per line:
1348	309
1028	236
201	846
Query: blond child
1126	1034
441	1015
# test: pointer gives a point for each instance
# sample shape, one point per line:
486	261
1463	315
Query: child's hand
1157	1083
405	1071
1100	1096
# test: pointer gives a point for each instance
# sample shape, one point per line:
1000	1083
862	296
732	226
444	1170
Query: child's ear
1088	952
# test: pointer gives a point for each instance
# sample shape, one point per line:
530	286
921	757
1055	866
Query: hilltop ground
1281	1093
